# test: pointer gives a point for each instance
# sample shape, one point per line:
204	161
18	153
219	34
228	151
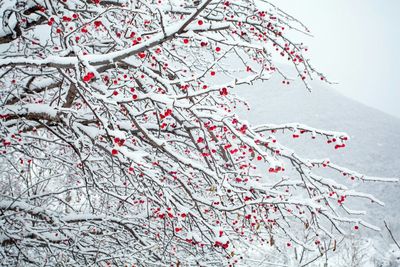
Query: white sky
356	43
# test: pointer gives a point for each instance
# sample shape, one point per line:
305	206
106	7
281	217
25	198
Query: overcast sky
356	43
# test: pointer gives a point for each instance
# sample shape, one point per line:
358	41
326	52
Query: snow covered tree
121	146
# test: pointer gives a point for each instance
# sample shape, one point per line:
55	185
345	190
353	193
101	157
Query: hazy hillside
374	148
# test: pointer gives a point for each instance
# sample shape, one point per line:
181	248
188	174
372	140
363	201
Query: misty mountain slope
373	148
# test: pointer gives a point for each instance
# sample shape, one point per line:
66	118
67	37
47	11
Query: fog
355	43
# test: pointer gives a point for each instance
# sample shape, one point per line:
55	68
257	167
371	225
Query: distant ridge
374	147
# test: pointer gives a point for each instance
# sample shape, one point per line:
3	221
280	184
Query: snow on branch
120	144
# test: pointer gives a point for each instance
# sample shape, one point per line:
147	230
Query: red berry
97	23
89	76
223	91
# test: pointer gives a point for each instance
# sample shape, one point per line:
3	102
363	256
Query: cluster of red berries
88	77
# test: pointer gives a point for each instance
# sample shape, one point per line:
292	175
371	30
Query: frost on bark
120	143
